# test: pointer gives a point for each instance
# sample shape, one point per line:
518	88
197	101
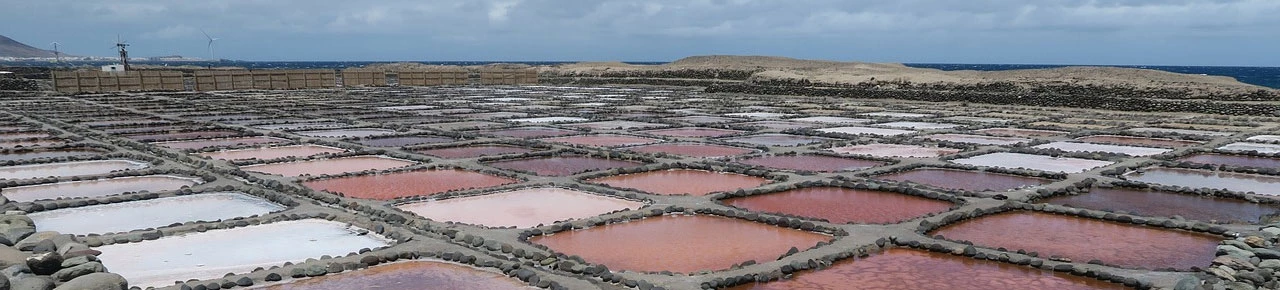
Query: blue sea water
1262	76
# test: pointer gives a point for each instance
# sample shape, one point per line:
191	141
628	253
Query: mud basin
473	151
910	269
99	187
842	205
523	208
212	254
152	213
696	150
562	166
1034	162
64	169
411	275
975	181
1081	239
1168	204
681	244
819	163
329	166
1260	184
682	181
404	184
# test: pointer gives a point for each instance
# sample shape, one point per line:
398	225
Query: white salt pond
896	115
152	213
919	125
758	115
975	119
97	188
212	254
895	150
407	108
1090	147
1180	131
866	130
1033	162
1265	138
1249	146
75	168
977	139
1241	182
833	120
549	120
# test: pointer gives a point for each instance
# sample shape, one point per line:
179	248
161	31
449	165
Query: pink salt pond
199	144
1018	132
404	184
98	187
817	163
272	152
529	132
682	244
977	139
697	150
682	181
895	150
411	275
910	269
693	132
473	151
562	166
185	135
965	180
778	140
842	205
524	208
1168	204
604	140
1081	239
37	154
1138	141
329	166
404	141
1233	160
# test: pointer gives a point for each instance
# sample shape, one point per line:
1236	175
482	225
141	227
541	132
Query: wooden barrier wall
432	78
509	77
220	80
132	81
352	78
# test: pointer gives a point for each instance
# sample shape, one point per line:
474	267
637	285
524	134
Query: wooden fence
132	81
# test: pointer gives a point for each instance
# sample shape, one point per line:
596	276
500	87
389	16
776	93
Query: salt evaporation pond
894	150
473	151
64	169
268	153
152	213
1082	239
530	132
562	166
16	136
37	154
758	115
212	254
1138	141
1233	160
819	163
697	150
329	166
523	208
833	120
604	140
682	244
405	184
692	132
344	133
919	125
550	120
964	179
1180	131
842	205
1263	148
404	141
184	135
977	139
778	140
200	144
1090	147
410	275
96	188
866	130
1264	138
1167	204
682	181
607	125
1019	132
910	269
1260	184
1033	162
780	125
896	115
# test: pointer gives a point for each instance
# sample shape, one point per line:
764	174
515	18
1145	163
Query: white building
113	68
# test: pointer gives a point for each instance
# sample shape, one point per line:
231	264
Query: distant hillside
13	48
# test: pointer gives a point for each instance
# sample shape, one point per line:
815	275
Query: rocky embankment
47	260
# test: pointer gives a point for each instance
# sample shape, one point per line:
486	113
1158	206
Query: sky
1117	32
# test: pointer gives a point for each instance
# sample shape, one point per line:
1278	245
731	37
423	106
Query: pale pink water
603	140
404	184
521	208
411	275
474	151
329	166
272	152
895	150
692	132
692	150
842	205
199	144
682	181
818	163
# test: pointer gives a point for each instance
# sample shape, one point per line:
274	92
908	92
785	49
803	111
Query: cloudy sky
1174	32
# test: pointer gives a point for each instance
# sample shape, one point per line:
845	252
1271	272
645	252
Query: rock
316	270
67	274
30	242
1255	241
1234	251
4	283
1270	264
1266	253
1252	277
1234	263
34	283
1188	283
244	281
96	281
45	264
272	277
10	256
1239	286
1272	230
15	227
1223	272
71	247
77	260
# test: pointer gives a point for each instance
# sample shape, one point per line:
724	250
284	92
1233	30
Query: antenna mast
124	54
57	57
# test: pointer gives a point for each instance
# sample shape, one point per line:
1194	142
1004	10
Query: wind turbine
211	40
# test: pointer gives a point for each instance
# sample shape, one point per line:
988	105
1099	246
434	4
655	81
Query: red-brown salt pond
521	208
185	135
819	163
36	154
1021	132
272	152
682	181
1082	239
1233	160
411	275
529	132
473	151
562	166
329	166
682	244
692	132
910	269
1138	141
405	184
964	180
603	140
1168	204
692	150
199	144
843	205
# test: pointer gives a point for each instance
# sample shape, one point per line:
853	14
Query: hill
13	48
